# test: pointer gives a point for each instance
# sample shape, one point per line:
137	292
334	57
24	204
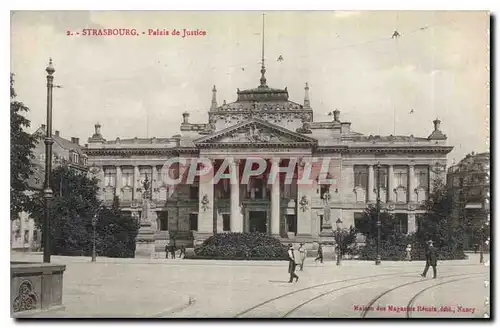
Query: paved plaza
178	288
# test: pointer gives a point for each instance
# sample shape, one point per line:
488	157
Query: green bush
394	249
244	246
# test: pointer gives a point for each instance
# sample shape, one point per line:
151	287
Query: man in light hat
430	259
291	264
303	255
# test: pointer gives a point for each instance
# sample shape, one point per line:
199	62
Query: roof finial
307	103
214	99
263	68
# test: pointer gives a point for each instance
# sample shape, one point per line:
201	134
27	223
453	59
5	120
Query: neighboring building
264	122
470	182
24	234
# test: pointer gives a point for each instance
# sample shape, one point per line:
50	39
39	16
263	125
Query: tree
438	225
116	232
72	208
74	205
347	240
368	224
21	155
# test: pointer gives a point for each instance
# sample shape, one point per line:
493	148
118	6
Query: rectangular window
291	221
109	178
359	220
401	176
259	188
401	223
422	174
193	192
193	221
383	177
225	189
226	222
127	178
361	177
163	216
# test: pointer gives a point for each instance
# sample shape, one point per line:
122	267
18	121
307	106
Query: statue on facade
146	185
326	198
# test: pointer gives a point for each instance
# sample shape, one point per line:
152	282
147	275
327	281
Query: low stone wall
35	286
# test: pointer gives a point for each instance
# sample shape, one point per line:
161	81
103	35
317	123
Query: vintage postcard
249	164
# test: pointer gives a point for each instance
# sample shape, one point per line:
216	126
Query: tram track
389	275
414	298
379	296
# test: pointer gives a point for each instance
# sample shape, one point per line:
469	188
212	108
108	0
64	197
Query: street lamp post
94	224
378	259
481	242
47	190
339	239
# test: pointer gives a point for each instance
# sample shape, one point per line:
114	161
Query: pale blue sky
349	60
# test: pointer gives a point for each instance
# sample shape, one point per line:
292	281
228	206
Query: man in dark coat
173	249
292	264
320	254
430	259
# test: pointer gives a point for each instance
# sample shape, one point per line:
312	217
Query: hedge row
245	246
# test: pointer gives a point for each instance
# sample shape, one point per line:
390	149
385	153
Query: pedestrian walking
430	259
167	250
292	264
172	250
408	252
302	255
320	254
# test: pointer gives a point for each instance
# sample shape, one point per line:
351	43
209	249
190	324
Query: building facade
24	233
469	182
263	122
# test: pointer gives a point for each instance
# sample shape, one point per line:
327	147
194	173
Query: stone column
206	203
412	223
275	199
390	183
236	222
118	185
411	184
137	183
304	196
154	182
371	184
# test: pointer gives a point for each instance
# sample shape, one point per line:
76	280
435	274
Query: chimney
437	124
97	128
44	127
185	117
75	140
57	133
336	115
345	127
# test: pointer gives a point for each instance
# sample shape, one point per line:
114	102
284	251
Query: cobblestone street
193	288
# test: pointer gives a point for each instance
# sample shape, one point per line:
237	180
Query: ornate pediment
255	132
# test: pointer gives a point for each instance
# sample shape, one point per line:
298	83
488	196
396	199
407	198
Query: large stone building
469	182
264	122
24	233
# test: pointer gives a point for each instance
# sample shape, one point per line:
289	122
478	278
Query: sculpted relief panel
254	134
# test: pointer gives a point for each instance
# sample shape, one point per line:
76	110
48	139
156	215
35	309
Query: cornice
139	151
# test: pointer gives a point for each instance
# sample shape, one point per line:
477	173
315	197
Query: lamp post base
378	260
